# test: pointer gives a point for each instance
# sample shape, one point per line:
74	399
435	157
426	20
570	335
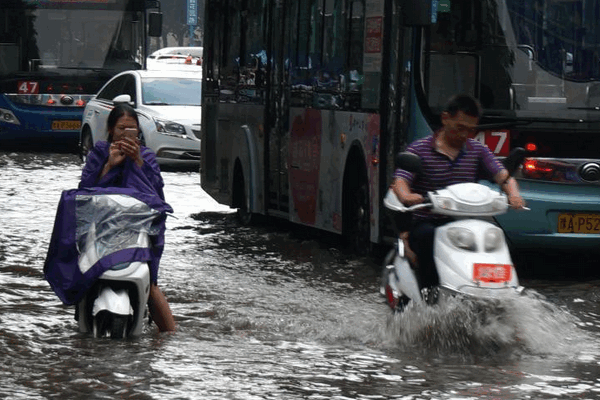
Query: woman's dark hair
117	112
465	103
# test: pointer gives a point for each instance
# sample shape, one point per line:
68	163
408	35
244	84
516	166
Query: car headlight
462	238
8	116
492	239
169	127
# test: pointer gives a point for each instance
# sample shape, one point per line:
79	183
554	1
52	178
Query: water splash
527	324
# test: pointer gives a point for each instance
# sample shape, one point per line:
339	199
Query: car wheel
86	144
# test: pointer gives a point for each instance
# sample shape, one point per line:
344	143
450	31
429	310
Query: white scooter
116	305
471	255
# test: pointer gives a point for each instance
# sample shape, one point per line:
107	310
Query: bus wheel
239	199
356	223
86	143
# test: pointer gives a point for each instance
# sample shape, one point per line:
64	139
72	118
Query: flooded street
264	313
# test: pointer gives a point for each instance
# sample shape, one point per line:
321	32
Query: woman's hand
115	155
131	148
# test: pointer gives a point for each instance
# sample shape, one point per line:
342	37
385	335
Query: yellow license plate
66	125
578	223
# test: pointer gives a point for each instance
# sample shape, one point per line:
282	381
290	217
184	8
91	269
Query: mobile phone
131	133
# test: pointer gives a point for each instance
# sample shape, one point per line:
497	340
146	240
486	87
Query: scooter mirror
514	159
409	162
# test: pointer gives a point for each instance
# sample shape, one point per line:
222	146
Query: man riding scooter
449	156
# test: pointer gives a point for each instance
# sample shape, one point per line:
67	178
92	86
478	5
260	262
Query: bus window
356	22
253	56
330	76
456	73
230	51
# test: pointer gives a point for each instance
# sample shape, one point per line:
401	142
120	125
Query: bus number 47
497	141
29	87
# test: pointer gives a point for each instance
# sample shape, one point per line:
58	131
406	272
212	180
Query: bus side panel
209	171
241	139
320	141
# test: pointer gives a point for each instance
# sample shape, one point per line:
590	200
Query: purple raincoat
115	227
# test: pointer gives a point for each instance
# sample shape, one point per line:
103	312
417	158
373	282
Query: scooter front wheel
110	324
118	327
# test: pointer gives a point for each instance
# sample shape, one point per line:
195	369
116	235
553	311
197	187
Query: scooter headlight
492	239
462	238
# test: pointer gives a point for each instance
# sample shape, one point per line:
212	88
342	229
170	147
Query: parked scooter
116	305
470	253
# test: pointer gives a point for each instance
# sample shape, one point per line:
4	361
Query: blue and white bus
306	102
56	54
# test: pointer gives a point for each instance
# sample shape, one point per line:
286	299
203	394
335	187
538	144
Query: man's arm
510	187
406	196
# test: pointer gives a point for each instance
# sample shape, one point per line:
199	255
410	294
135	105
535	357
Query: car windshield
171	91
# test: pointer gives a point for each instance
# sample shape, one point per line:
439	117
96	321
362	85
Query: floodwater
264	313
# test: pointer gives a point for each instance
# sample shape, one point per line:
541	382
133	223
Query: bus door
277	130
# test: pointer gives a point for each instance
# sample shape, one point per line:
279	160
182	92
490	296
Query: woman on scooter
449	156
122	161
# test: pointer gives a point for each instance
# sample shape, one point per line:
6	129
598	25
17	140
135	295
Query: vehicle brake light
535	166
549	170
531	147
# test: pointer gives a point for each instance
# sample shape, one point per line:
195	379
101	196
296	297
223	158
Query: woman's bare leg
160	310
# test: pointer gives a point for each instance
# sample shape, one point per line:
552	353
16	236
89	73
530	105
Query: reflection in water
266	313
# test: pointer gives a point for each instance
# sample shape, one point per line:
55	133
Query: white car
183	58
168	108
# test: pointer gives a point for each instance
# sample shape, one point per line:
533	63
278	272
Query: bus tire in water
239	199
356	226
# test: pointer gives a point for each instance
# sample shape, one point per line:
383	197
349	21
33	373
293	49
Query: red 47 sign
498	141
28	87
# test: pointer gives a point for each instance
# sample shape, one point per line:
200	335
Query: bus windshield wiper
504	124
97	69
509	121
597	108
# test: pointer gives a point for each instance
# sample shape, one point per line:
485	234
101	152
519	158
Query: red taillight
535	166
80	103
531	147
549	170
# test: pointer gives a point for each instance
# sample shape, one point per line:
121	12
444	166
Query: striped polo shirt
439	171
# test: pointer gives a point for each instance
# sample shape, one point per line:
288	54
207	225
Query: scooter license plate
492	273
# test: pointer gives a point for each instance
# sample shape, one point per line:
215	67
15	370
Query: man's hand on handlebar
410	199
516	202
